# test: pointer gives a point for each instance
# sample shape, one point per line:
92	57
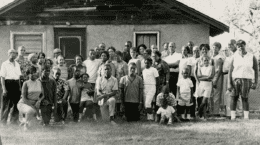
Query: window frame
64	52
43	34
147	32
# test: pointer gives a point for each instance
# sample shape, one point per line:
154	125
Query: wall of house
117	35
111	35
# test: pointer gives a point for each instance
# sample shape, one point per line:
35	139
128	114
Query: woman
133	53
62	66
165	51
184	61
32	95
41	59
147	54
33	59
191	65
216	98
243	75
23	62
111	50
49	63
140	51
78	65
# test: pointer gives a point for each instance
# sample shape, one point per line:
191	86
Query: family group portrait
129	72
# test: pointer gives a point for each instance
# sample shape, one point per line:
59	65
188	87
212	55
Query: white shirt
192	62
243	66
92	69
10	71
173	59
185	85
149	76
166	112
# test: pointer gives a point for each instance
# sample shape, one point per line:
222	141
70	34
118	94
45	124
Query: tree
244	16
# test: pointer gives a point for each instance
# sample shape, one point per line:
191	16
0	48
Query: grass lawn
212	132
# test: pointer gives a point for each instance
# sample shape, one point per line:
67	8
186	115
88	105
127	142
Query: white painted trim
70	9
147	32
70	26
13	33
79	37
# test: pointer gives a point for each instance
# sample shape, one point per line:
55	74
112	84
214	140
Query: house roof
34	7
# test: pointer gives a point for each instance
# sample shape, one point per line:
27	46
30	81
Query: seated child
185	92
205	76
165	112
86	101
165	94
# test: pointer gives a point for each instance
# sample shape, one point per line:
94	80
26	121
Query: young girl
151	82
86	101
165	112
133	53
185	92
205	76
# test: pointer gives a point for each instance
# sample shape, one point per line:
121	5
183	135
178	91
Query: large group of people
164	86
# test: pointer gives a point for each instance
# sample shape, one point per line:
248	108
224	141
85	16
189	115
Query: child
165	112
87	95
151	82
185	92
133	53
165	94
75	89
205	76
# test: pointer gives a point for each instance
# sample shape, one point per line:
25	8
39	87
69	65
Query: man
102	47
126	53
50	99
154	48
131	94
107	87
173	61
190	46
10	80
62	96
92	65
56	53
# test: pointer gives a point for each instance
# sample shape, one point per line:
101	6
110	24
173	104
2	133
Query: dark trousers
132	111
75	111
193	107
62	110
173	82
89	105
10	100
46	111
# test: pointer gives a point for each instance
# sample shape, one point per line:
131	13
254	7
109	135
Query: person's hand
4	92
230	87
253	86
140	107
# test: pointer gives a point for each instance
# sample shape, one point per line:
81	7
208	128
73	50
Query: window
147	37
32	41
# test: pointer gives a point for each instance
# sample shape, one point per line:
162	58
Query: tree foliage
244	16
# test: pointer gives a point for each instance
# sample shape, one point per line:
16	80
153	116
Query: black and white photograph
119	72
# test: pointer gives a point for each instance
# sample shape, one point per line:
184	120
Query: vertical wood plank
147	41
139	40
153	39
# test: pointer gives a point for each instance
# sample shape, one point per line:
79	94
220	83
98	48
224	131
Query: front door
71	42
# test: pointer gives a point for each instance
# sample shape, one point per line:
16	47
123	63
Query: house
75	26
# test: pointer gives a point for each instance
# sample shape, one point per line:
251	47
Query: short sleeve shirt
107	86
150	75
185	85
11	71
131	88
166	112
84	96
162	68
62	86
172	58
75	88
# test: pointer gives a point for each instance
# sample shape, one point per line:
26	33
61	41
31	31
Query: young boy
185	91
87	95
75	89
205	76
131	94
165	112
133	53
151	82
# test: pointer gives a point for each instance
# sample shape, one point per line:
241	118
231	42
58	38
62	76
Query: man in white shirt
173	61
56	53
92	65
10	79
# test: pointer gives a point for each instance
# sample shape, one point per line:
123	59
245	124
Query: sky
212	8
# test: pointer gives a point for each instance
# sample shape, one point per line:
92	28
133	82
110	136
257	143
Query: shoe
182	120
79	120
63	122
169	123
25	127
38	118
